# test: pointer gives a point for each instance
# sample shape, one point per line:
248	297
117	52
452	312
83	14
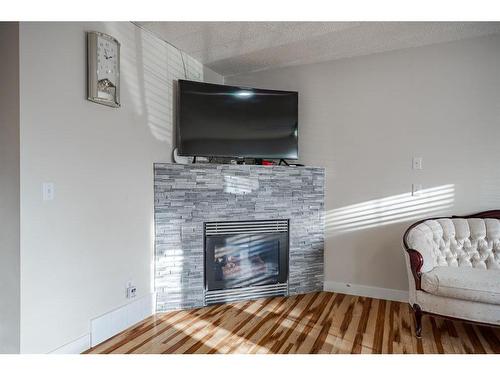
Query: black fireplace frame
283	256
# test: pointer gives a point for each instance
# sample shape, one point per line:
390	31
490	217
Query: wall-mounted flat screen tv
229	121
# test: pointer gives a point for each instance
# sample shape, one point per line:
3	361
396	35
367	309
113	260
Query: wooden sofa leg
417	311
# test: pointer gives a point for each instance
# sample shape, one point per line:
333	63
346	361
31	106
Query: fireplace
245	260
192	197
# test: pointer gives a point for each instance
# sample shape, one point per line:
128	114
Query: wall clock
103	69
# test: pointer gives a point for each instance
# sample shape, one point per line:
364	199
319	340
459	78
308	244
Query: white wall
79	250
364	118
9	188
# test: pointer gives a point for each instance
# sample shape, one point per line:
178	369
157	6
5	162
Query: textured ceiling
231	48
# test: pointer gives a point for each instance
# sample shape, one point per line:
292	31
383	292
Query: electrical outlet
418	163
131	290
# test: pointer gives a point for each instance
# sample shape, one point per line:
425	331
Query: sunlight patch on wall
158	93
129	79
149	68
390	210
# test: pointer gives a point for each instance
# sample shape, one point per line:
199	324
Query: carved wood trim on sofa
416	263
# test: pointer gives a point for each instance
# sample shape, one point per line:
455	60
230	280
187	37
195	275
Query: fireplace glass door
244	260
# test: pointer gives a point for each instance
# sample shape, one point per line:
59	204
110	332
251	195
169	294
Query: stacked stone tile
187	196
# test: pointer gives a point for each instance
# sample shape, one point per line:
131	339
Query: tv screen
228	121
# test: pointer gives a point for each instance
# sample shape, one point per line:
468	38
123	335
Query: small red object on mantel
267	162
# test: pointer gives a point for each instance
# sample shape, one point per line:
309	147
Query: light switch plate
48	191
417	163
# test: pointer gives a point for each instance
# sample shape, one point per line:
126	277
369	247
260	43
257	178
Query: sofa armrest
420	237
416	263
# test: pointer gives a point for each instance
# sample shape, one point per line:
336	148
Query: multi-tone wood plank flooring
312	323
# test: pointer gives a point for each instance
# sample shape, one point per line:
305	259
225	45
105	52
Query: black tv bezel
178	126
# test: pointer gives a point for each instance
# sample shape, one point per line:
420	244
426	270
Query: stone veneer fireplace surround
189	196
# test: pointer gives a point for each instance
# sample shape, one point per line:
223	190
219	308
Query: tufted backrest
457	242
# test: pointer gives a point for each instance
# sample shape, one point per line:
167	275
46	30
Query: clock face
103	69
107	68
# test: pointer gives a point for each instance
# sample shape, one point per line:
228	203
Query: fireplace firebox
245	260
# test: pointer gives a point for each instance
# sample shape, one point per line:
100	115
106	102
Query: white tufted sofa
454	267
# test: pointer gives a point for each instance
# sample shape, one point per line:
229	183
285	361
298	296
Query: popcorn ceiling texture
186	196
232	48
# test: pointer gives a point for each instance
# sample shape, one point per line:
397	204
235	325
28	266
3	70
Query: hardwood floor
320	322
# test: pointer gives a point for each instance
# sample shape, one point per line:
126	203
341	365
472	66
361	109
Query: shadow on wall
390	210
149	69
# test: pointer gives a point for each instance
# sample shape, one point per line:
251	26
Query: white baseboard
74	347
366	291
109	324
116	321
